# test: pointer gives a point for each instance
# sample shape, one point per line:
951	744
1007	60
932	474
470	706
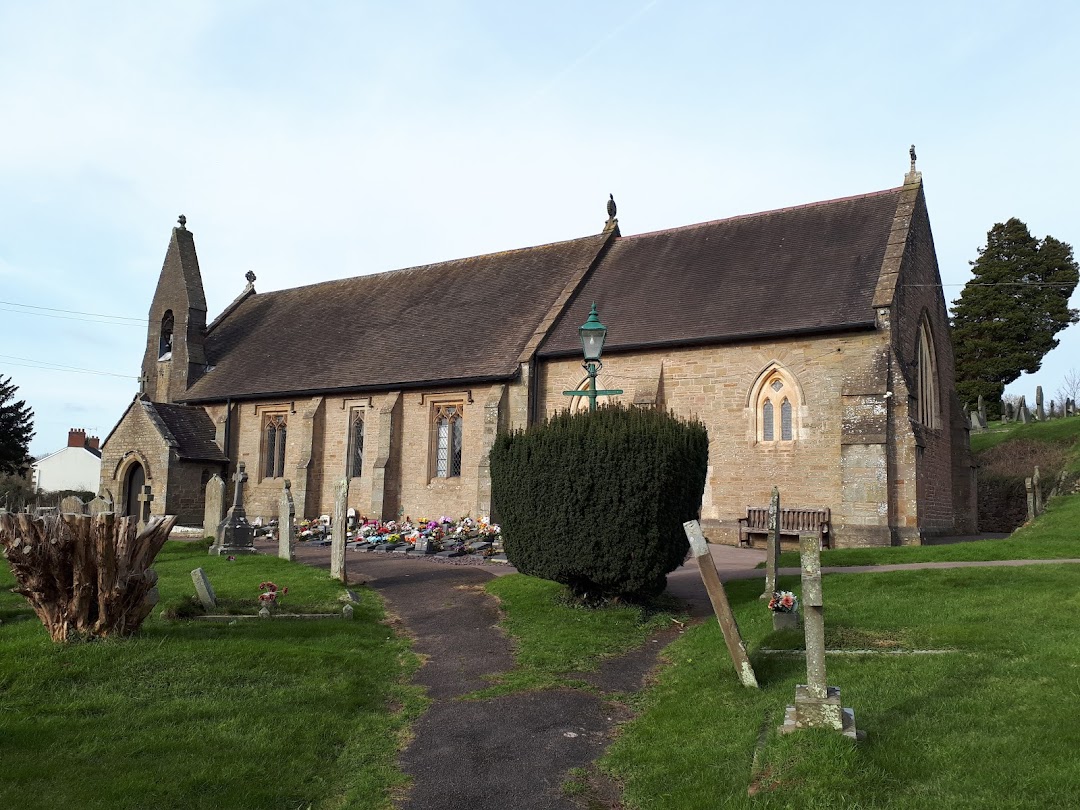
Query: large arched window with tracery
775	401
927	409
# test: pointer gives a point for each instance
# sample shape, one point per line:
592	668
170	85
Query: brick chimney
76	437
93	443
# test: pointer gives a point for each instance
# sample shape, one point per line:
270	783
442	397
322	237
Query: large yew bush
597	500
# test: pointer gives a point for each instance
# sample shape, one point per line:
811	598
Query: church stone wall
714	384
135	431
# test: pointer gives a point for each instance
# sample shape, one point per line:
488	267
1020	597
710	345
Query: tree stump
86	576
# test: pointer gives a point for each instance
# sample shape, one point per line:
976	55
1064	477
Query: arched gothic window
927	402
446	439
166	337
274	433
775	400
356	444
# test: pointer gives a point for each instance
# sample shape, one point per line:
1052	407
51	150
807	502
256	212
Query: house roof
796	270
466	319
187	428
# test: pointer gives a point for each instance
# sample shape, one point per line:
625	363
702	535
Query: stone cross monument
234	534
286	530
772	545
817	705
1040	413
146	497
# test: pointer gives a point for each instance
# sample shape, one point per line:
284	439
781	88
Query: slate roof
187	428
795	270
466	319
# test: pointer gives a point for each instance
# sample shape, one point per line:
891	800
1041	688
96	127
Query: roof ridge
416	267
766	213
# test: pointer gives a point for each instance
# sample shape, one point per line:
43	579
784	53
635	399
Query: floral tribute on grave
445	536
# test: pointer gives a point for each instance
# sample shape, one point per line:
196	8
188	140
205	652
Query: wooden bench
793	522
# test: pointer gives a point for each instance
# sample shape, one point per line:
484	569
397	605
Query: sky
322	140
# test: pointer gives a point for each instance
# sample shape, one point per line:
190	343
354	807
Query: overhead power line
45	365
93	317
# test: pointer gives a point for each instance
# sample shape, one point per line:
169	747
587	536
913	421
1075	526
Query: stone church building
811	341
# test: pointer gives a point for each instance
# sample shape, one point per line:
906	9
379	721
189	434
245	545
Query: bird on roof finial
611	206
183	222
911	152
250	276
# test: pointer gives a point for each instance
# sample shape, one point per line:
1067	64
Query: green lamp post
593	333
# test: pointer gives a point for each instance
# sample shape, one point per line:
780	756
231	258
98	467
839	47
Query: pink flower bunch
270	592
783	602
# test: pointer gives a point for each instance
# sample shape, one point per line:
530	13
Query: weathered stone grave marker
146	497
203	589
1023	415
1040	414
699	548
234	534
99	506
337	531
213	507
72	505
772	545
982	412
286	528
817	705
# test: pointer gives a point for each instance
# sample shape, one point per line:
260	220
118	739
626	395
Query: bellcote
174	357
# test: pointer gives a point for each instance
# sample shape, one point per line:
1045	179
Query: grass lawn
285	713
557	638
988	723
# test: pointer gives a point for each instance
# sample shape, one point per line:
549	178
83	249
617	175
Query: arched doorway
135	480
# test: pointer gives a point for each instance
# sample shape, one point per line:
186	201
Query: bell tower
174	356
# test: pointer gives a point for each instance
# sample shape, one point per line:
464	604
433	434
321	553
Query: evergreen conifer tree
1008	315
16	430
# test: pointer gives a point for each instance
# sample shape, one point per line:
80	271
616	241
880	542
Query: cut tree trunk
86	576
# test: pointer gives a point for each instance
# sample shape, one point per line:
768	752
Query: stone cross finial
239	477
183	222
250	276
145	498
911	152
611	209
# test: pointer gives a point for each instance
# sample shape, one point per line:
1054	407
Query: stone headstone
817	705
72	505
1040	414
214	507
347	612
772	545
982	412
337	531
1052	414
234	533
99	506
203	589
286	527
1029	486
1036	480
976	423
1008	415
1023	415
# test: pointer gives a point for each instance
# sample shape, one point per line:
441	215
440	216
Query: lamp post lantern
593	333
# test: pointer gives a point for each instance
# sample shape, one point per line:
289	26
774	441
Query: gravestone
99	506
1040	414
234	534
1052	414
1029	486
214	509
424	545
1035	481
817	705
72	505
146	497
286	527
203	588
982	412
699	549
1008	415
1023	415
772	545
976	422
337	531
347	612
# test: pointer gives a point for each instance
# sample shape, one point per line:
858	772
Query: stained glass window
274	446
356	444
447	441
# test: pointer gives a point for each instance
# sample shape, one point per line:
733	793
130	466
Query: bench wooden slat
793	521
